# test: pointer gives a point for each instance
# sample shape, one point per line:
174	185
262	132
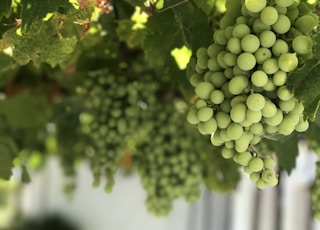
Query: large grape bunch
115	105
169	161
240	80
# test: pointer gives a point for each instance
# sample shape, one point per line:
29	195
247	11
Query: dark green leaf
5	6
286	149
8	151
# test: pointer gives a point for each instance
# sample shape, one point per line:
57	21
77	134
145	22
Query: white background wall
286	207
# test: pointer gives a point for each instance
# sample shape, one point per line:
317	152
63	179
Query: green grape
200	104
220	37
205	114
287	126
260	184
284	3
281	9
269	109
262	54
237	99
269	163
288	105
195	79
269	15
246	123
227	153
298	109
228	32
240	30
214	49
255	101
274	120
279	78
246	61
238	84
256	128
255	176
242	20
302	126
224	136
225	106
202	62
269	87
223	119
216	139
207	127
288	62
306	23
268	175
244	141
267	39
259	78
228	73
230	59
282	25
256	164
254	116
258	26
213	64
270	66
284	93
280	47
204	89
201	52
302	44
238	71
238	112
250	43
221	60
216	97
234	131
255	6
293	12
234	45
217	79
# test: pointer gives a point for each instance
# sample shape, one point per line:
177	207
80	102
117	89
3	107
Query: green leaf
207	6
5	6
126	33
25	111
42	43
286	149
33	10
305	83
8	150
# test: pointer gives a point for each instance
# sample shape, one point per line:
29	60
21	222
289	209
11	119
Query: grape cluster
114	109
240	80
169	160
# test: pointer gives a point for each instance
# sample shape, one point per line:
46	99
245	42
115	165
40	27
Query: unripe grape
204	89
256	128
227	153
238	84
217	79
192	116
234	45
216	97
214	49
269	163
259	78
254	116
238	112
255	102
287	126
279	78
306	23
244	141
255	6
216	139
269	109
288	62
262	54
284	93
250	43
240	30
280	47
234	131
219	37
288	105
284	3
256	164
258	26
223	119
270	66
200	104
201	52
267	39
238	99
209	126
205	114
302	126
260	184
230	59
269	15
255	176
195	79
246	61
213	64
274	120
282	25
302	44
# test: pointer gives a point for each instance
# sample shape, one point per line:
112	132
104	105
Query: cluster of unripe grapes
240	80
115	106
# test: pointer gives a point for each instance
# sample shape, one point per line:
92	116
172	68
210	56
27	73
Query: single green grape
256	164
216	97
306	23
269	109
234	131
259	78
250	43
288	62
192	116
255	101
279	78
238	112
302	44
267	38
282	25
223	119
269	15
254	116
280	47
246	61
284	3
240	30
270	66
204	89
255	6
234	45
238	84
205	113
274	120
262	54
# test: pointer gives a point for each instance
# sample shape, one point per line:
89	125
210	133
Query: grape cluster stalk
240	80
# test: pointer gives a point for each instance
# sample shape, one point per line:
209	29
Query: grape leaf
5	6
42	43
8	150
286	149
207	6
25	111
33	10
133	38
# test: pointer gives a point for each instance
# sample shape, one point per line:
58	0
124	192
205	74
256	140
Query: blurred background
42	204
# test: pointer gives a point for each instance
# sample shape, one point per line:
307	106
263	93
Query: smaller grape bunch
240	80
169	159
114	107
